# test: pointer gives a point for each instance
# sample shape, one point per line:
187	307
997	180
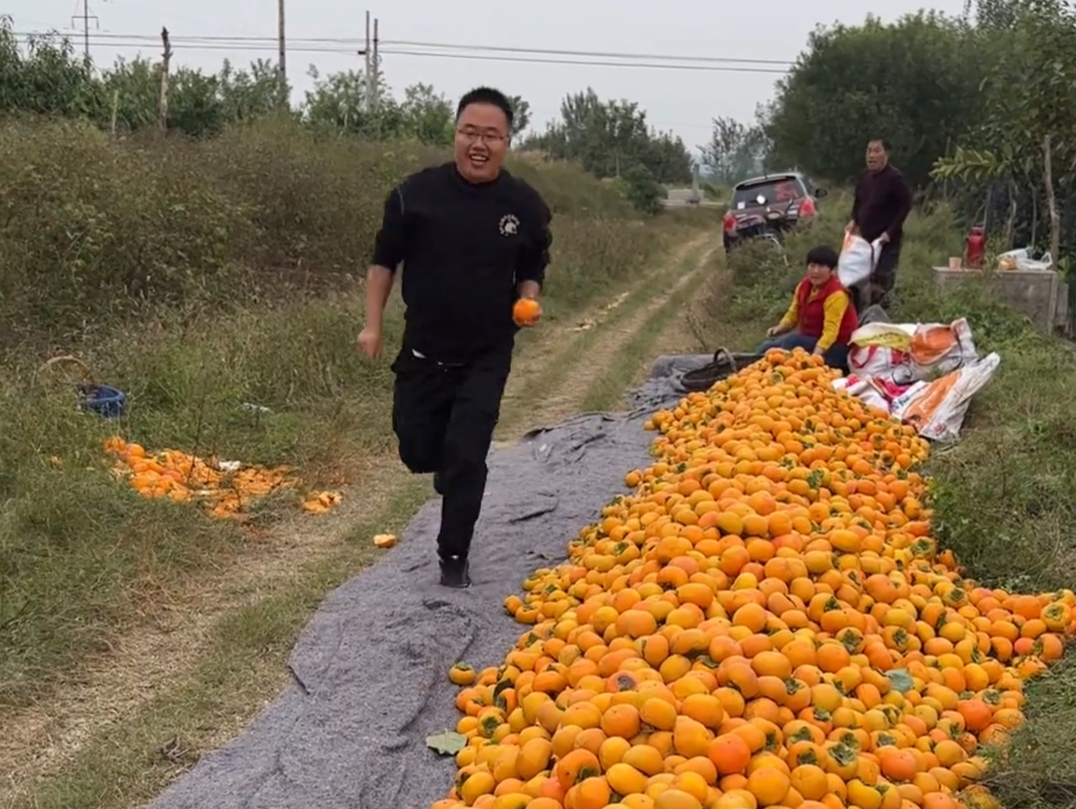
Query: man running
473	239
882	203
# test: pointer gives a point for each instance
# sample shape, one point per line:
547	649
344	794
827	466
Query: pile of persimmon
180	477
765	622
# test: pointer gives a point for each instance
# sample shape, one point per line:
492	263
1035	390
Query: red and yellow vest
811	309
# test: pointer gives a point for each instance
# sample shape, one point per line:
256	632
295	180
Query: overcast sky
681	100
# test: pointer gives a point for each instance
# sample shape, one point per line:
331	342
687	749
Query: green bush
89	230
643	191
95	229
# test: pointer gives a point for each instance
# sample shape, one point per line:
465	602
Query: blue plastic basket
93	397
106	401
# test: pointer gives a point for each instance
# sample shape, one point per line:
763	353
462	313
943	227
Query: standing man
882	203
472	239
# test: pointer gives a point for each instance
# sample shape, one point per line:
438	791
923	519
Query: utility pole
166	61
376	71
85	16
367	75
283	66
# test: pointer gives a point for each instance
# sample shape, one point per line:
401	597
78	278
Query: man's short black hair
824	255
885	143
486	95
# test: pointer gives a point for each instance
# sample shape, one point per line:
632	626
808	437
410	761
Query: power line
593	63
596	54
339	42
97	40
265	46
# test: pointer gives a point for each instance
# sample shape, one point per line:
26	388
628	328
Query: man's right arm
389	251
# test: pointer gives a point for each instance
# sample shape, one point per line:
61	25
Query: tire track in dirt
685	335
150	660
535	400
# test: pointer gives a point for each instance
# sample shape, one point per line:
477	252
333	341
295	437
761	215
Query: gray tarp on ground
370	669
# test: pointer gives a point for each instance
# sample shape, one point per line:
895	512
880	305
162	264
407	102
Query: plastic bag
937	349
1022	260
882	350
874	391
910	352
937	409
857	260
879	362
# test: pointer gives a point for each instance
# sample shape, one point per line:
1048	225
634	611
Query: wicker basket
723	364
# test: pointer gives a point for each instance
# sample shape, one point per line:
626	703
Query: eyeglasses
487	137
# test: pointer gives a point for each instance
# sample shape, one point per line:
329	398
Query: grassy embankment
198	277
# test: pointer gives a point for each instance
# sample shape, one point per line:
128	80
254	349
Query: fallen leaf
901	679
447	743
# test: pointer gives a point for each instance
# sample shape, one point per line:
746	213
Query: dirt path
684	334
116	702
552	382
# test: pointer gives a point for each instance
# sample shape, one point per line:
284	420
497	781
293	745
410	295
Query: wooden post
165	64
115	110
368	101
376	65
282	54
1051	201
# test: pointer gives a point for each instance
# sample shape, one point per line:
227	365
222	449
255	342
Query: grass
1003	495
199	277
607	389
603	349
242	666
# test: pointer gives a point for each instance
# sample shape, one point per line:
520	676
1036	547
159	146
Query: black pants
443	416
885	272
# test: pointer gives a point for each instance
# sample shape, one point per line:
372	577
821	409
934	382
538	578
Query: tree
642	190
337	101
667	159
46	78
734	151
426	116
521	114
1022	144
609	137
914	82
250	93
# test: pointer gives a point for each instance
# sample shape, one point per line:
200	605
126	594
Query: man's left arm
902	195
531	273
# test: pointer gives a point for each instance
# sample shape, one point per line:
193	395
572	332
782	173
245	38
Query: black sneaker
437	483
455	573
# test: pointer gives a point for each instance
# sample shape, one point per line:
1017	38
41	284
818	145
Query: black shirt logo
509	225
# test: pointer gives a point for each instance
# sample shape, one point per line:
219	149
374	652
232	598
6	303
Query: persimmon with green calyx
462	674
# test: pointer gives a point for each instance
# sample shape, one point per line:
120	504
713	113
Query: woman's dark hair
824	255
486	95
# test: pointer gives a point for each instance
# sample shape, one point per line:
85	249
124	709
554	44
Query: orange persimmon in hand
526	312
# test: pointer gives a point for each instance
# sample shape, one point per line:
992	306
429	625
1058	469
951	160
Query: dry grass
199	277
